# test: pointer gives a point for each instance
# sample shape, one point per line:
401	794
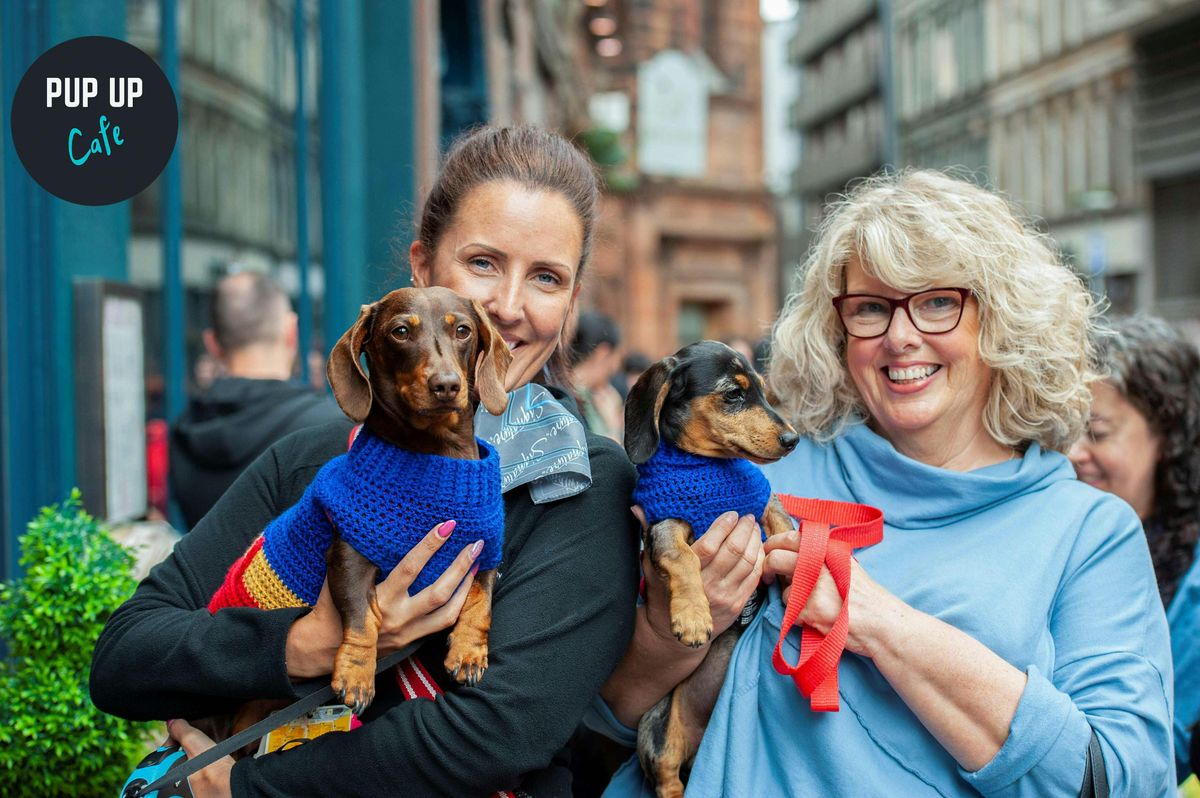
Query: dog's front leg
352	586
467	658
669	545
775	520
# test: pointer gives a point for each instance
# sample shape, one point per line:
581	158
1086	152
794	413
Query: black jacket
229	425
562	617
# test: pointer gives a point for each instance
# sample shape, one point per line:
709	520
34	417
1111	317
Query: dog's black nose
788	440
445	385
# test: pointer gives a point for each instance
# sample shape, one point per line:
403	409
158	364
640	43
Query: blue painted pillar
343	189
46	243
171	215
391	140
304	303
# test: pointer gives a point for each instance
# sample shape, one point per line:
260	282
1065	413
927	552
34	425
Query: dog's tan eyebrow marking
724	384
414	320
449	317
741	380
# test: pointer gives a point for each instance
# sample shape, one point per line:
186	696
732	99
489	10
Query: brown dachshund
432	356
705	400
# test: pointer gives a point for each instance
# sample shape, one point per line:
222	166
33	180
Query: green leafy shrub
53	741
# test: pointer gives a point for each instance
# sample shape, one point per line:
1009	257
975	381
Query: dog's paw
692	625
671	789
354	677
467	658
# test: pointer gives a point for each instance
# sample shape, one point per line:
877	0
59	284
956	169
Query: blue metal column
171	214
299	28
343	191
46	243
30	471
391	138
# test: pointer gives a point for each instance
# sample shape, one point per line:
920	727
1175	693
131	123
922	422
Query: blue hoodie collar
915	495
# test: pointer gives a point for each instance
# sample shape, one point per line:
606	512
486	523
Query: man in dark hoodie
254	337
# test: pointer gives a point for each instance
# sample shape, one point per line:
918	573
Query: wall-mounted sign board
110	399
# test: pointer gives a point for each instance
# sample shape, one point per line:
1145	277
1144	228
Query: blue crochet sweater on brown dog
384	500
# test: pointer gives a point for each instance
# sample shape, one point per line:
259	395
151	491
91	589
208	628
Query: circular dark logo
94	120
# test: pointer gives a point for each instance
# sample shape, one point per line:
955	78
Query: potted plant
53	741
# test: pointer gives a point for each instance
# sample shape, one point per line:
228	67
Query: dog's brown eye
462	331
400	333
734	395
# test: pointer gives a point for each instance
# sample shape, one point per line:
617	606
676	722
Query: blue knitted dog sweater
676	484
383	500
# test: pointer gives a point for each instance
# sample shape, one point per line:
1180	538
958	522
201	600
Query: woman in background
1143	444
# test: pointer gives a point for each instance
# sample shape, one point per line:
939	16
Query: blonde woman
936	359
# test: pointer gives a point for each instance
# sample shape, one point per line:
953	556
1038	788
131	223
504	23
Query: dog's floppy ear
643	407
351	388
491	368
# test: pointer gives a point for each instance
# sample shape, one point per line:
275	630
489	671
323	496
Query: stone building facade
684	251
1053	103
843	110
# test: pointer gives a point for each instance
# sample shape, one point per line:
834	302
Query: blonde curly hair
922	228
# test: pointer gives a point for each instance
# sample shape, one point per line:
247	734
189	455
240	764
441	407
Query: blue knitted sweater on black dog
676	484
384	500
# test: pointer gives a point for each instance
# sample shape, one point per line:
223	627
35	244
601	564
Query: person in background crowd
936	362
509	222
632	366
594	361
253	404
762	355
1143	444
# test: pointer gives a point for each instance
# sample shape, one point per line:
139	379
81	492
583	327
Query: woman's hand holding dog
731	558
313	640
731	564
869	602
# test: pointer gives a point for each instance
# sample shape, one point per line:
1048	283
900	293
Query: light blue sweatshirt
1184	617
1049	573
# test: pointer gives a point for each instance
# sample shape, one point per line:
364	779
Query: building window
693	321
1121	290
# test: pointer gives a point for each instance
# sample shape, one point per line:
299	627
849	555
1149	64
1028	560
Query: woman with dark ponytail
508	223
1143	444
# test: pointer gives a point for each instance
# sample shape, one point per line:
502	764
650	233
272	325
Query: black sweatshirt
225	428
562	616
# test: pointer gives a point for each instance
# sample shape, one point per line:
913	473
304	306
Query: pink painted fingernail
446	528
474	569
476	549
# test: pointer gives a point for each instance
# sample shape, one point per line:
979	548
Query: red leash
853	526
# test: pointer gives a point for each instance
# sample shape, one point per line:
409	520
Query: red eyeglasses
935	311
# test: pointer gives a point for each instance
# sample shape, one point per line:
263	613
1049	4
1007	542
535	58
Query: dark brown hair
535	158
1158	372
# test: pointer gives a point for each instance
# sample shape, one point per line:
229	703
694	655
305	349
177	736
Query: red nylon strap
829	532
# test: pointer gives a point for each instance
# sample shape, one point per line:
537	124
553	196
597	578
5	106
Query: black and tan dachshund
705	400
